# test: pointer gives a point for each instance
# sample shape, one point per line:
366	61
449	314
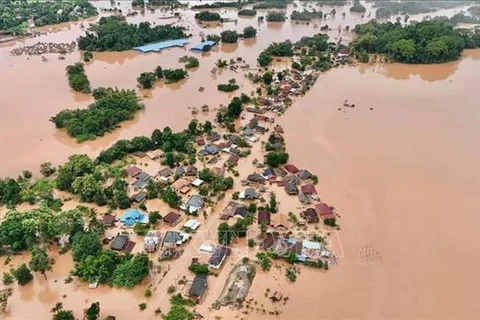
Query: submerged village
188	220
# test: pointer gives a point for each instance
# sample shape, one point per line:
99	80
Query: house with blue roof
201	46
133	216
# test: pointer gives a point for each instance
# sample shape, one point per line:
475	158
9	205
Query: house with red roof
309	189
324	211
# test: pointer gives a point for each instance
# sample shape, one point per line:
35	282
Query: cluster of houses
302	249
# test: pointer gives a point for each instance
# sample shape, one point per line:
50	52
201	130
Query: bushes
146	79
174	75
229	36
249	32
22	274
247	12
278	49
111	107
190	62
305	15
275	16
229	87
208	16
77	79
114	34
214	37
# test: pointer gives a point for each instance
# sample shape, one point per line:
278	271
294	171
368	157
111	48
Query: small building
180	183
218	257
175	238
291	188
304	174
291	168
198	287
255	178
213	137
200	141
201	46
155	154
324	211
151	241
165	172
310	215
133	216
172	219
119	243
133	171
269	174
233	160
143	176
191	171
309	189
197	182
180	171
139	197
109	220
248	194
192	224
281	222
139	154
292	179
240	211
211	149
194	204
269	241
264	217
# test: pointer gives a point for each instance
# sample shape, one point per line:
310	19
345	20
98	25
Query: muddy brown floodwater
403	176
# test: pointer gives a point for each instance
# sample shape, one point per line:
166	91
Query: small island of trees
275	16
305	15
249	32
228	87
278	49
111	107
424	42
77	78
247	12
208	16
115	34
229	36
147	79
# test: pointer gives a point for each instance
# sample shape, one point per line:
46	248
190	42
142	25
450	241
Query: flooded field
400	168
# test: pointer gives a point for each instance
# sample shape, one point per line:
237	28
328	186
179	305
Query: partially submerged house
133	171
255	178
174	238
151	242
193	204
310	215
233	160
291	168
213	137
155	154
172	219
218	257
324	211
309	189
109	220
119	243
280	222
198	287
191	171
139	197
249	194
182	185
269	174
192	224
264	217
304	174
132	216
291	188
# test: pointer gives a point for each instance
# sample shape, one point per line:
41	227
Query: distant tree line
272	4
77	78
424	42
115	34
111	107
219	5
15	14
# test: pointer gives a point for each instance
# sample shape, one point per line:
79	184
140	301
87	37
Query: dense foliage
247	12
15	14
275	16
233	110
111	107
423	42
228	87
22	274
213	37
305	15
229	36
146	79
357	7
190	62
276	158
389	8
271	4
218	5
114	34
208	16
276	49
249	32
77	79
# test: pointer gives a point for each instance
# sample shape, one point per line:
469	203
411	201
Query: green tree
402	50
47	169
76	166
154	217
267	78
272	204
60	314
229	36
265	262
85	244
40	261
131	272
225	233
146	80
207	127
249	32
92	312
22	274
276	158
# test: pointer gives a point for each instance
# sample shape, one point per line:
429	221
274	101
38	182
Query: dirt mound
237	286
